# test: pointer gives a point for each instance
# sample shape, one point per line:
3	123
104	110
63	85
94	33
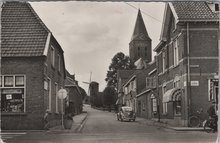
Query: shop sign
195	83
12	91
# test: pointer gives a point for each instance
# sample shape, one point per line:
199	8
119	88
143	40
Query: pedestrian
46	120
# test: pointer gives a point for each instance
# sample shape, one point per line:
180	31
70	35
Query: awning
173	94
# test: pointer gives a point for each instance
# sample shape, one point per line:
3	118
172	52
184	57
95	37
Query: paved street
102	127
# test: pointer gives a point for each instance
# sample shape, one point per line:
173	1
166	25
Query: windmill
90	78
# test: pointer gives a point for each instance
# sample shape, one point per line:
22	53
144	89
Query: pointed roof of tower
140	32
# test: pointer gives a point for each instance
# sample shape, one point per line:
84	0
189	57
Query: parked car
126	113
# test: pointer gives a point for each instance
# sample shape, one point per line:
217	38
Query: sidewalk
77	125
164	125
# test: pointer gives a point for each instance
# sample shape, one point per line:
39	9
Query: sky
91	33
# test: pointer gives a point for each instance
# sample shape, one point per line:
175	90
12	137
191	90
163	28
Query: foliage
119	62
109	96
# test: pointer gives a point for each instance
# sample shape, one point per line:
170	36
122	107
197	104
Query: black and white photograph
76	71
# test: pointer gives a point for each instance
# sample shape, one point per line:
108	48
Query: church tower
140	44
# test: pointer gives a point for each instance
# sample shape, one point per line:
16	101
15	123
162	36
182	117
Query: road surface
102	127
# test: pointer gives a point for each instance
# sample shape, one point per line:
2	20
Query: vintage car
126	114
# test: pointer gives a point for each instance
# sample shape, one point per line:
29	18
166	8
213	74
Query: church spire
140	32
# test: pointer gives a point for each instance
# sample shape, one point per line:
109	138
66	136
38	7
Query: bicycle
210	125
195	120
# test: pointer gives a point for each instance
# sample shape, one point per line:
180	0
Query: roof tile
194	10
23	33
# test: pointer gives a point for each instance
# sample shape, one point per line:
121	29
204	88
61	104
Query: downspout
188	76
1	3
157	90
218	74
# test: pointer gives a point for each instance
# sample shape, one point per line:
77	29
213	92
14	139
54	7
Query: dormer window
216	7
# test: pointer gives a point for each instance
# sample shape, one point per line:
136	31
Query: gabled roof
23	33
186	11
140	32
193	11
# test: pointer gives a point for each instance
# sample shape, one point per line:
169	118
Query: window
164	61
12	94
174	24
164	103
8	81
150	82
56	90
154	104
126	90
176	82
0	81
59	64
49	93
138	51
19	80
176	53
52	56
216	7
212	89
177	107
164	107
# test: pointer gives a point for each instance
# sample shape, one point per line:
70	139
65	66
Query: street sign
62	94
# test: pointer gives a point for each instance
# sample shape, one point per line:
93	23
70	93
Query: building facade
32	70
187	57
74	103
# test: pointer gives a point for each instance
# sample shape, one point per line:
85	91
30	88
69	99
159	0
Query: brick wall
32	69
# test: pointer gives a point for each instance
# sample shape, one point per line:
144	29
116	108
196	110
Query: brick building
187	57
32	69
147	102
75	95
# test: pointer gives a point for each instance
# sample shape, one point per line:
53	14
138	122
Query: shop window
8	81
19	81
12	100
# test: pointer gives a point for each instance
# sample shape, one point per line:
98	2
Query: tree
109	96
119	62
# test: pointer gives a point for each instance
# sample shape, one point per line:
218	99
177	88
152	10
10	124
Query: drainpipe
1	3
218	74
157	90
188	103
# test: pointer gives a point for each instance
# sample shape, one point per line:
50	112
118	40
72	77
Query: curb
163	125
72	130
82	123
